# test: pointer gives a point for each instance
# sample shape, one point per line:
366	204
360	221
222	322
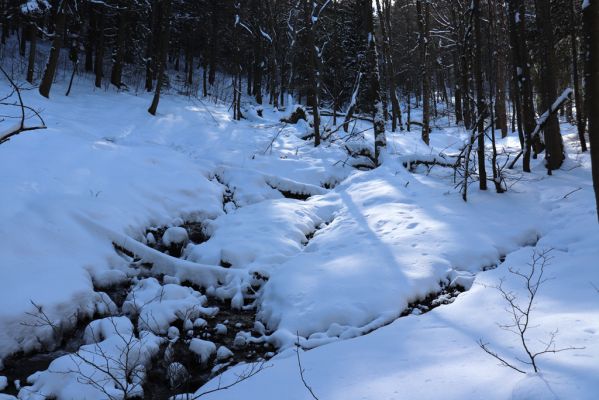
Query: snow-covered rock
3	382
223	353
220	329
175	235
203	348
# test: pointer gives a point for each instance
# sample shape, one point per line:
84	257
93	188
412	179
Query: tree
523	80
385	25
554	152
481	107
312	68
57	42
580	121
373	83
164	16
591	26
118	55
424	25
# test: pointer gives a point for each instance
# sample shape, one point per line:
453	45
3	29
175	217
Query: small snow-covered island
303	200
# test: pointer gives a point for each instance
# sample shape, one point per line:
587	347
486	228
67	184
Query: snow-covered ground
342	265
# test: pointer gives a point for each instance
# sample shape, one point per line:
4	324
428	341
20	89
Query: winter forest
299	199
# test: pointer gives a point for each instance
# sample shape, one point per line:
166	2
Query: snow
203	348
159	305
71	376
223	353
175	235
342	265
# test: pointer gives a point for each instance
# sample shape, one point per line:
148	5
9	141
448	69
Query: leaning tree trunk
57	42
165	17
554	151
591	26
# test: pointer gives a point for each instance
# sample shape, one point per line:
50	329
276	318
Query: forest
302	199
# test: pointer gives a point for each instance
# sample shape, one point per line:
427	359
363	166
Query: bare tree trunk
57	42
118	56
580	122
457	91
389	69
480	100
313	80
524	81
23	40
165	16
32	50
515	91
497	21
423	25
372	76
213	41
554	151
591	26
99	61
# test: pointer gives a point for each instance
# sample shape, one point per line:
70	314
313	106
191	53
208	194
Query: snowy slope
343	263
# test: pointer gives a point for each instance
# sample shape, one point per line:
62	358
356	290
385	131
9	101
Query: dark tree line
489	65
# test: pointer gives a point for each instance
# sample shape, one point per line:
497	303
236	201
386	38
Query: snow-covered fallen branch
228	283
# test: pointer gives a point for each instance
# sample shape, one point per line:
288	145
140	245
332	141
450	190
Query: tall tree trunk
165	23
23	39
371	71
389	69
150	52
457	90
580	122
118	55
554	151
480	99
99	61
257	68
57	43
423	25
497	22
32	50
313	72
213	45
524	80
90	33
5	26
591	26
515	91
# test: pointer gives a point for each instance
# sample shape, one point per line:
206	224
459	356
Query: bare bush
520	311
11	100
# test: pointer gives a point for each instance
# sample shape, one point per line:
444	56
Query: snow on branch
561	100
